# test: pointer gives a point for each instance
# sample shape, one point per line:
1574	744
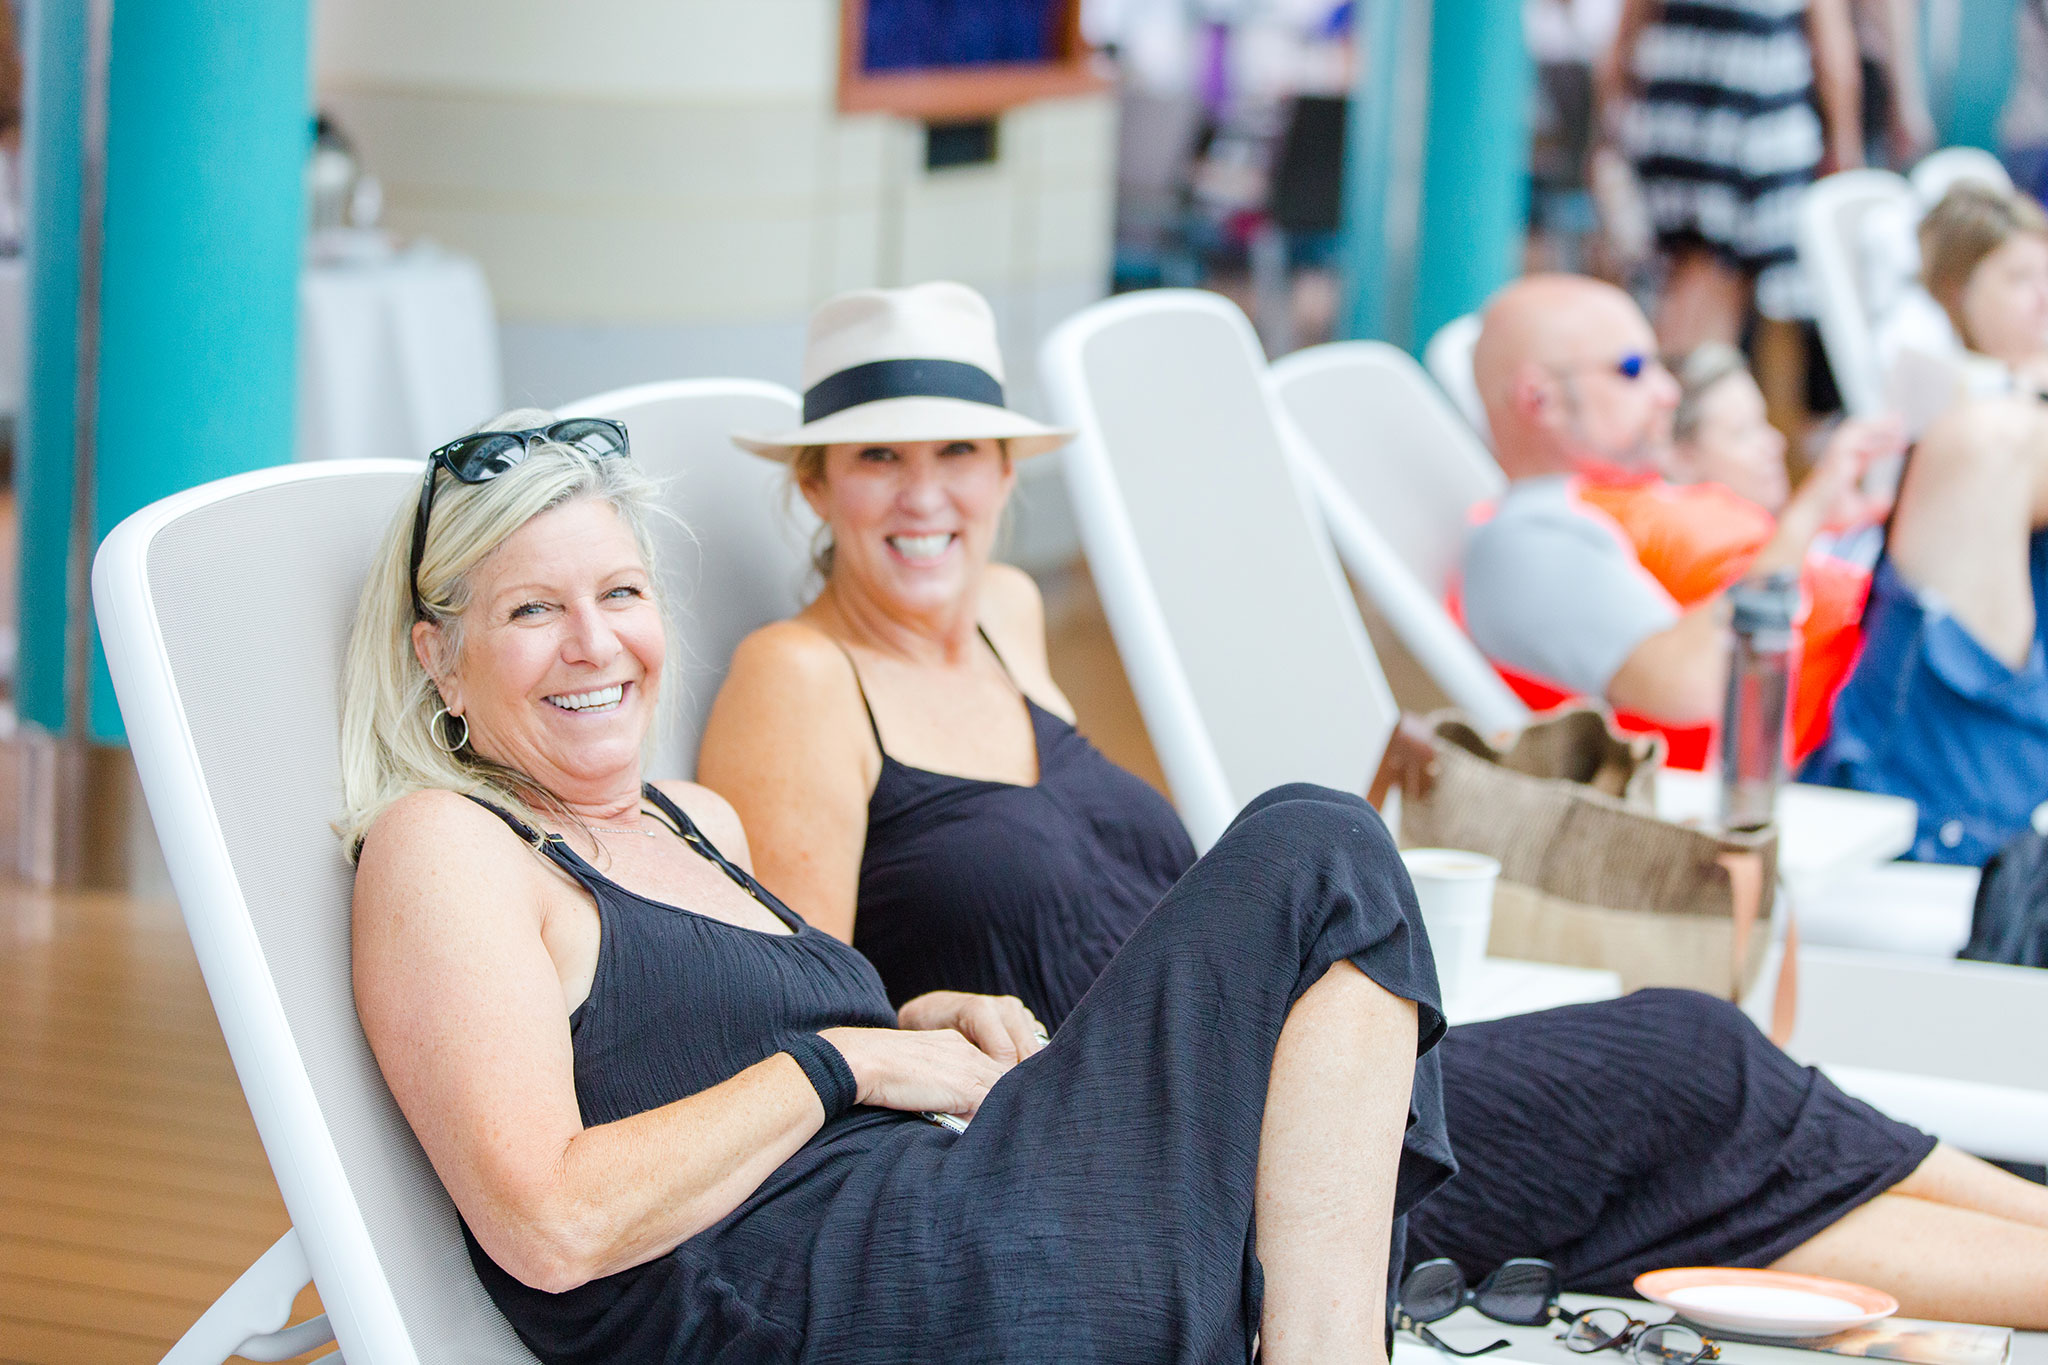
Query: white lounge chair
1888	343
1191	520
1396	473
1833	217
1939	171
740	557
237	749
1449	359
1250	666
232	715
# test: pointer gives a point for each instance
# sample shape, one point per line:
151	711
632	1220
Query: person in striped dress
1714	103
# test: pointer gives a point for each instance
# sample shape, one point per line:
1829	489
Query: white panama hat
899	365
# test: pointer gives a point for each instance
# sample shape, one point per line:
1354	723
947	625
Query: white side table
1822	831
1508	986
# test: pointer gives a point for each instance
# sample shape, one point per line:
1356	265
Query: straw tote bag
1589	875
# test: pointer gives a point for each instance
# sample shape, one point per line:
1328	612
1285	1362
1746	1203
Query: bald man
1597	578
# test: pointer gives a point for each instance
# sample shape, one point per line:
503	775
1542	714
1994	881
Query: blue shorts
1928	713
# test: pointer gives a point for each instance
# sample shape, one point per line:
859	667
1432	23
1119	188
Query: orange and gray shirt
1567	576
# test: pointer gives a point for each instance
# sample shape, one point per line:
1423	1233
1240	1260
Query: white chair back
1229	609
1397	473
1835	216
1449	358
1940	171
224	611
1409	462
740	557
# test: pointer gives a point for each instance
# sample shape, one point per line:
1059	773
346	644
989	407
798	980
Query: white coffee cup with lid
1455	890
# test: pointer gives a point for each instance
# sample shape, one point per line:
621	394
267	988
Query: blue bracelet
829	1074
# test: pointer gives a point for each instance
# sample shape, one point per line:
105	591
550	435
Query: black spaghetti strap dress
1099	1208
1661	1129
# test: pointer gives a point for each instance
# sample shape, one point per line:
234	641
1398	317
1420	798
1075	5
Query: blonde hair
389	703
1972	220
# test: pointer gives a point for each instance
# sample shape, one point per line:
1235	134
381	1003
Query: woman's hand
1834	488
997	1024
917	1069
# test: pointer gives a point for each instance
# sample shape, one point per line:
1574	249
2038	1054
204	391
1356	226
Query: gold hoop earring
436	730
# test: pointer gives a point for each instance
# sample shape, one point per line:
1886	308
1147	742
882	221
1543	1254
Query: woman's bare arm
788	745
1612	68
1838	81
462	1007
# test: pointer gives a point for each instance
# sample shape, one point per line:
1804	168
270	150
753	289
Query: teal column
1436	164
208	124
45	433
1475	179
1384	122
1983	73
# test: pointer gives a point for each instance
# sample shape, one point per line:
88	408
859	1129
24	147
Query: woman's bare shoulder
791	654
434	836
1010	598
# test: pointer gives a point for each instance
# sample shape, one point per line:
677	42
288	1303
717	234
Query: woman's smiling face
913	523
562	645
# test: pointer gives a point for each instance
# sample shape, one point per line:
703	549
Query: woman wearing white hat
900	748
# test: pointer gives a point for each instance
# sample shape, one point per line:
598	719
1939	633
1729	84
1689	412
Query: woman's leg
1940	1261
1340	1084
1961	1180
1705	299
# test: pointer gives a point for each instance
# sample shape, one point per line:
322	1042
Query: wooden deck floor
134	1189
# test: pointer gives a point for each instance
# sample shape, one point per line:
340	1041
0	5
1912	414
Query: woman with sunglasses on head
679	1124
913	781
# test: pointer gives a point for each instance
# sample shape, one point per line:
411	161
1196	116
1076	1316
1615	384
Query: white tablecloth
398	352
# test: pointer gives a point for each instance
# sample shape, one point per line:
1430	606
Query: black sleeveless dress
1661	1129
1059	1226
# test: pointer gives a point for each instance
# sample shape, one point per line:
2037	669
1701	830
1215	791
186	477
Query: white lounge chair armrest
249	1319
2003	1123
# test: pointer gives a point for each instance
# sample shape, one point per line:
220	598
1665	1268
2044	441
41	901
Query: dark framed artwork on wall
944	60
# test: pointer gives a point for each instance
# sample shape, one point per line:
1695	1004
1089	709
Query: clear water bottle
1759	689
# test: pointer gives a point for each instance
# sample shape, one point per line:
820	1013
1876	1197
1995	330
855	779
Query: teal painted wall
53	44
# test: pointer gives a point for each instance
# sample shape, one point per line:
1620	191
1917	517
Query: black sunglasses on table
1524	1293
484	455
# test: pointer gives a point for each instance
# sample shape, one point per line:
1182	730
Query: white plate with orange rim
1765	1303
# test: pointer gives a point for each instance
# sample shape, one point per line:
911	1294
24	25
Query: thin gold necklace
610	829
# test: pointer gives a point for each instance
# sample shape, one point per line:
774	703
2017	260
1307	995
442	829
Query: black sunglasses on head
484	455
1522	1292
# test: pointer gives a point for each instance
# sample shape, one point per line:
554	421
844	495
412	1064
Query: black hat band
879	379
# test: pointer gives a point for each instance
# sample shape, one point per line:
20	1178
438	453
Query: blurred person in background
1984	258
913	782
2023	124
1596	577
1714	102
1721	434
1898	127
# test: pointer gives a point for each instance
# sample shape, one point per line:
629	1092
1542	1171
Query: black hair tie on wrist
826	1067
